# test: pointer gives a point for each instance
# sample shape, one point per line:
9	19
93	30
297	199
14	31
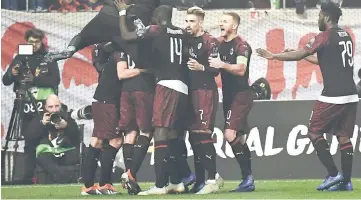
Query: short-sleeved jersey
143	82
108	88
201	48
231	52
334	48
168	52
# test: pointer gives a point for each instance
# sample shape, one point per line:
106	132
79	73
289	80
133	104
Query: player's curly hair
195	10
332	10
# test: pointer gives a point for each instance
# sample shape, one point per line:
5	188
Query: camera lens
55	118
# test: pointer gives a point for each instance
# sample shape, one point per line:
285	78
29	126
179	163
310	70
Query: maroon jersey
143	82
201	48
229	52
334	48
168	51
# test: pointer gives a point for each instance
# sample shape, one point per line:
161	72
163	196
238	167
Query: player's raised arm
312	58
126	34
312	47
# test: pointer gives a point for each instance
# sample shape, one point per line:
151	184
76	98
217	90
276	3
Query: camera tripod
15	128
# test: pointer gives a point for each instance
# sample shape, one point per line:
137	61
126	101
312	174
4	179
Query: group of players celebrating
157	81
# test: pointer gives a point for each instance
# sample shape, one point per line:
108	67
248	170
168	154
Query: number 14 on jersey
176	47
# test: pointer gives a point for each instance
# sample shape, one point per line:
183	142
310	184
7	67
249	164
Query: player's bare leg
109	152
243	156
90	163
346	149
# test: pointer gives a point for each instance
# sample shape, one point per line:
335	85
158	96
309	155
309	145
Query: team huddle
157	81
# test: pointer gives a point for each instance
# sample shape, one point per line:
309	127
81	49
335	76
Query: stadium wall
278	142
274	30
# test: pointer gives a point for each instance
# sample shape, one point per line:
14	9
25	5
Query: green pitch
280	189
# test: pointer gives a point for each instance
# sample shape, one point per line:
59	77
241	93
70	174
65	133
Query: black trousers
102	28
60	168
30	159
105	27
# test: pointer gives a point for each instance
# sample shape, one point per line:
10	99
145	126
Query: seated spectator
95	5
37	5
10	4
67	6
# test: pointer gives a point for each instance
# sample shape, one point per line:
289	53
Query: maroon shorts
203	111
236	111
136	109
105	120
337	119
169	107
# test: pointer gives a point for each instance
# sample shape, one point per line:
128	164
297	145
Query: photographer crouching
59	140
34	80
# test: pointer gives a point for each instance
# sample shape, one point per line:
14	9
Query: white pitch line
149	183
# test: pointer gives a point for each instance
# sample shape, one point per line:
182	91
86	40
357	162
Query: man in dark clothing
104	27
56	141
42	78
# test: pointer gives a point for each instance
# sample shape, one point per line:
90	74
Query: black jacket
45	75
36	132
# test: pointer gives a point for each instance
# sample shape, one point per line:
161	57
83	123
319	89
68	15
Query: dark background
219	4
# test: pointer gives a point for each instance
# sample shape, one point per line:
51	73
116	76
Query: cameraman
45	75
42	79
56	139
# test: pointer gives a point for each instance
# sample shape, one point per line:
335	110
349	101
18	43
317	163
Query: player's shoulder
210	38
241	43
240	40
119	54
154	27
220	39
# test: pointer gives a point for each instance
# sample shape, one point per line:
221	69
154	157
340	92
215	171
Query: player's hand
265	54
120	4
46	119
288	50
194	65
15	70
215	63
143	71
61	125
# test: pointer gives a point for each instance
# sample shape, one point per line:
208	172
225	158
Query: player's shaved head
235	16
162	15
199	12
